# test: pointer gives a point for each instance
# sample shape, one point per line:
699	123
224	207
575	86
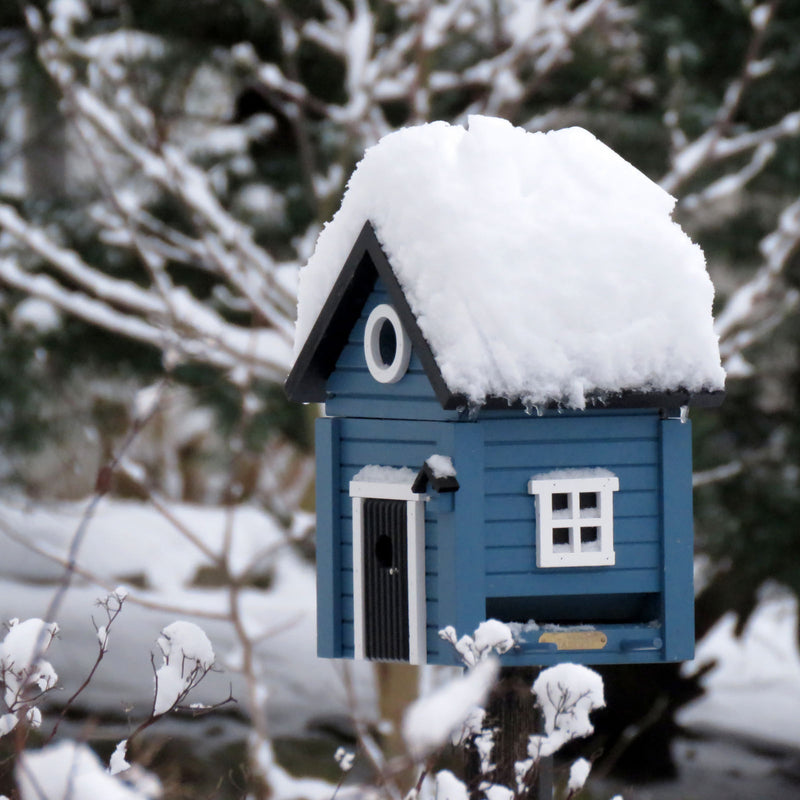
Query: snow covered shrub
489	636
25	676
566	694
69	769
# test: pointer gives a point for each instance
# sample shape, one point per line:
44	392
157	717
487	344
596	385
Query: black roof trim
442	484
309	375
625	399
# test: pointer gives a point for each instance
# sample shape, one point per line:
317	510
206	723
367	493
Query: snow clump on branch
567	694
188	657
488	636
24	675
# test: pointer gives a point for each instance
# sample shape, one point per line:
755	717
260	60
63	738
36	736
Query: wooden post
512	712
398	687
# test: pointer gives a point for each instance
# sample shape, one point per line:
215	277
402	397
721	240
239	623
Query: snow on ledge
373	473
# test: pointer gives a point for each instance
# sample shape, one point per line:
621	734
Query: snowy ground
129	542
753	697
754	692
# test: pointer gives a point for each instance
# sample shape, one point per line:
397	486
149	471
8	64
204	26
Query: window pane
590	539
560	536
589	500
560	501
387	342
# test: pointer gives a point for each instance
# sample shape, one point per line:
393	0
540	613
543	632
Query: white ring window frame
361	490
382	372
573	518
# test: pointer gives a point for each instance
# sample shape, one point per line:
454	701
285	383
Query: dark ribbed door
385	580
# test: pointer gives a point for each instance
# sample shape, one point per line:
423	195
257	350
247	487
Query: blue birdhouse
506	330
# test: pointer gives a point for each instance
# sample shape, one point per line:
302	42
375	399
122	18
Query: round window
386	345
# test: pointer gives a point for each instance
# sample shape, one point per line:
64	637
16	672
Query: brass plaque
575	640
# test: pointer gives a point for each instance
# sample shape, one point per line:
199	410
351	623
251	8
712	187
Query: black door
385	580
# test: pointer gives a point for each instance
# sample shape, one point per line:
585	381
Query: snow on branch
491	636
387	66
115	129
566	694
25	675
188	658
760	304
183	323
717	143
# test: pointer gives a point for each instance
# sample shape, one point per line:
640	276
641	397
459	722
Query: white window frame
574	554
361	490
382	372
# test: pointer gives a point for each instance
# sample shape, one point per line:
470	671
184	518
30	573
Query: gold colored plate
575	640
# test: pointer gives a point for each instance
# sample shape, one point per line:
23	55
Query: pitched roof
536	268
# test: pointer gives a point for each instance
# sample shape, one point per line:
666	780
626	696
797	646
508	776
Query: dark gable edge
315	362
309	375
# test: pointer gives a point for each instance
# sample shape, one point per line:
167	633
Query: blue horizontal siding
547	456
385	453
353	392
599	425
389	430
507	560
358	382
379	408
352	358
518	449
578	581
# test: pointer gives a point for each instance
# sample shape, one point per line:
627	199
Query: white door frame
361	490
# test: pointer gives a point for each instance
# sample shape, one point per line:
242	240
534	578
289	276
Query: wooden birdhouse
506	330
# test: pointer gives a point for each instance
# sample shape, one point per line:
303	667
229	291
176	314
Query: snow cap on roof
541	267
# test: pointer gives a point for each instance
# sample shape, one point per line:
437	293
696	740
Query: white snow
188	656
22	669
68	769
498	792
129	542
754	691
441	466
578	773
36	314
492	634
344	758
567	694
66	14
540	266
568	474
430	721
373	473
117	762
448	787
488	636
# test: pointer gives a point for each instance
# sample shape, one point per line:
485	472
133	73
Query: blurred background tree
165	168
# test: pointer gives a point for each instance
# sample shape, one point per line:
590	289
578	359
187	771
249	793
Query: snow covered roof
539	267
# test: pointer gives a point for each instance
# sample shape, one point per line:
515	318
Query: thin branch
108	586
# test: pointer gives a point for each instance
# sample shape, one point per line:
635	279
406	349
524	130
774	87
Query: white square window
574	517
